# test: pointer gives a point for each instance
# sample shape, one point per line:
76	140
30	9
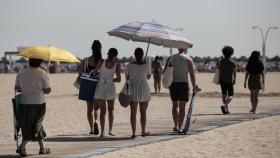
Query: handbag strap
218	64
86	65
126	86
170	61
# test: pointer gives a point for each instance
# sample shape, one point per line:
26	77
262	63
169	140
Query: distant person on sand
106	89
228	70
137	73
255	73
87	65
179	89
157	72
33	83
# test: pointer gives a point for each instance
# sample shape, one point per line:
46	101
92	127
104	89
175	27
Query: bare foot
22	152
144	134
253	111
111	133
102	135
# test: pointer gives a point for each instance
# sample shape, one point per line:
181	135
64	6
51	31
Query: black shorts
227	88
179	91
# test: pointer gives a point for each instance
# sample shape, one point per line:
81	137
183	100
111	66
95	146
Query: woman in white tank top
106	90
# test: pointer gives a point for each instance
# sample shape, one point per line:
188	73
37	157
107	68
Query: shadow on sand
79	138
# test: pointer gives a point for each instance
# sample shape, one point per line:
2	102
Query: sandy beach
67	115
252	139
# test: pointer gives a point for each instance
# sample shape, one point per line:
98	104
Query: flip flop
253	112
44	151
95	128
223	109
181	131
146	134
21	152
226	108
102	135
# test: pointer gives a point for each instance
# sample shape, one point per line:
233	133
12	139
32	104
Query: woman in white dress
137	73
106	90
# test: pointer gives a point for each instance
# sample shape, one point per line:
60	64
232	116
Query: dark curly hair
227	51
113	52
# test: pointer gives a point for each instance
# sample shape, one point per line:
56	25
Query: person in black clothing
255	73
157	73
227	77
88	64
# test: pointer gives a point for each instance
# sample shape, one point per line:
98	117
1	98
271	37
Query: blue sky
74	24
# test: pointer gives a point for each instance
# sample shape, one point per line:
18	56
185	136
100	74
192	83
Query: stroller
16	114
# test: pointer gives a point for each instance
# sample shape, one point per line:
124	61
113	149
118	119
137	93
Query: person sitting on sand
255	73
106	89
179	89
157	72
228	70
33	83
137	73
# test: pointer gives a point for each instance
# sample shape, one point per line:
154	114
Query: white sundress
139	86
106	89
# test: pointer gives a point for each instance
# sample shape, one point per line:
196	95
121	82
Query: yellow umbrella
49	53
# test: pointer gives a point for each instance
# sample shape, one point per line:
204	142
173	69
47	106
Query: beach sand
251	139
67	115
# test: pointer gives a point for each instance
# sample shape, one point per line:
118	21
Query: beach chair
16	113
189	116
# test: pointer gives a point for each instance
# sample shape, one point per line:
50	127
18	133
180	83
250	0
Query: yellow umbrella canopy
49	53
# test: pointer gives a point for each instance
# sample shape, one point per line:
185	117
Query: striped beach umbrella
151	32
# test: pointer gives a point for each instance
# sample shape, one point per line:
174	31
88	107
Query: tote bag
78	79
125	95
167	76
216	79
88	82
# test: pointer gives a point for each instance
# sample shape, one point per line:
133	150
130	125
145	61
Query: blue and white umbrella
151	32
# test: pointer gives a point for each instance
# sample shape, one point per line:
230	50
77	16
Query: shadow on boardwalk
10	156
83	138
220	114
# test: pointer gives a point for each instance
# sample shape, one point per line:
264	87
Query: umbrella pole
147	49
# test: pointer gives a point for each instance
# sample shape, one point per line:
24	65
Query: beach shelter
151	32
49	53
